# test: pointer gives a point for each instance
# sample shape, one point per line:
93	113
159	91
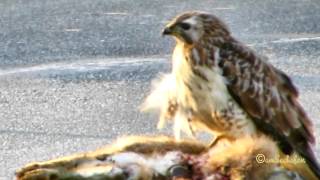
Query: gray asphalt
73	73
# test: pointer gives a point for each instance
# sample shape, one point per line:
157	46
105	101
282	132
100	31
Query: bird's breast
202	90
199	86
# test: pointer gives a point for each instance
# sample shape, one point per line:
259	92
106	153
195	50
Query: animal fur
142	157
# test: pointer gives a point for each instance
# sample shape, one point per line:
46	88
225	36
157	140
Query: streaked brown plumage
226	88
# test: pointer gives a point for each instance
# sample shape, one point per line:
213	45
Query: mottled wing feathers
286	83
266	94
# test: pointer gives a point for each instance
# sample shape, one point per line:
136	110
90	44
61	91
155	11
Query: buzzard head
192	27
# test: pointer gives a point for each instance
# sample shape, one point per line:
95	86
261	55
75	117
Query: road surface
73	73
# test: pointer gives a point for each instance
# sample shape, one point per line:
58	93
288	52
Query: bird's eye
185	26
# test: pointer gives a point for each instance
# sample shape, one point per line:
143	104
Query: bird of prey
220	85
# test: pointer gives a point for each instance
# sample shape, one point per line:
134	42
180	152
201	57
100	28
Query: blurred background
73	73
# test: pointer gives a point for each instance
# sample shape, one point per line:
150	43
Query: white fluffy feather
163	90
162	93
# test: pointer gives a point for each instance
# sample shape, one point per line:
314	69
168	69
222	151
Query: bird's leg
215	141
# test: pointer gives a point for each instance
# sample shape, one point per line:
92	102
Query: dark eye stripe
185	26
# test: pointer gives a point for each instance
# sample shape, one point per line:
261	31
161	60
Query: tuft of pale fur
162	99
163	92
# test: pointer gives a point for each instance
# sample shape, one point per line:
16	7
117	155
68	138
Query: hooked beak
177	32
167	31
